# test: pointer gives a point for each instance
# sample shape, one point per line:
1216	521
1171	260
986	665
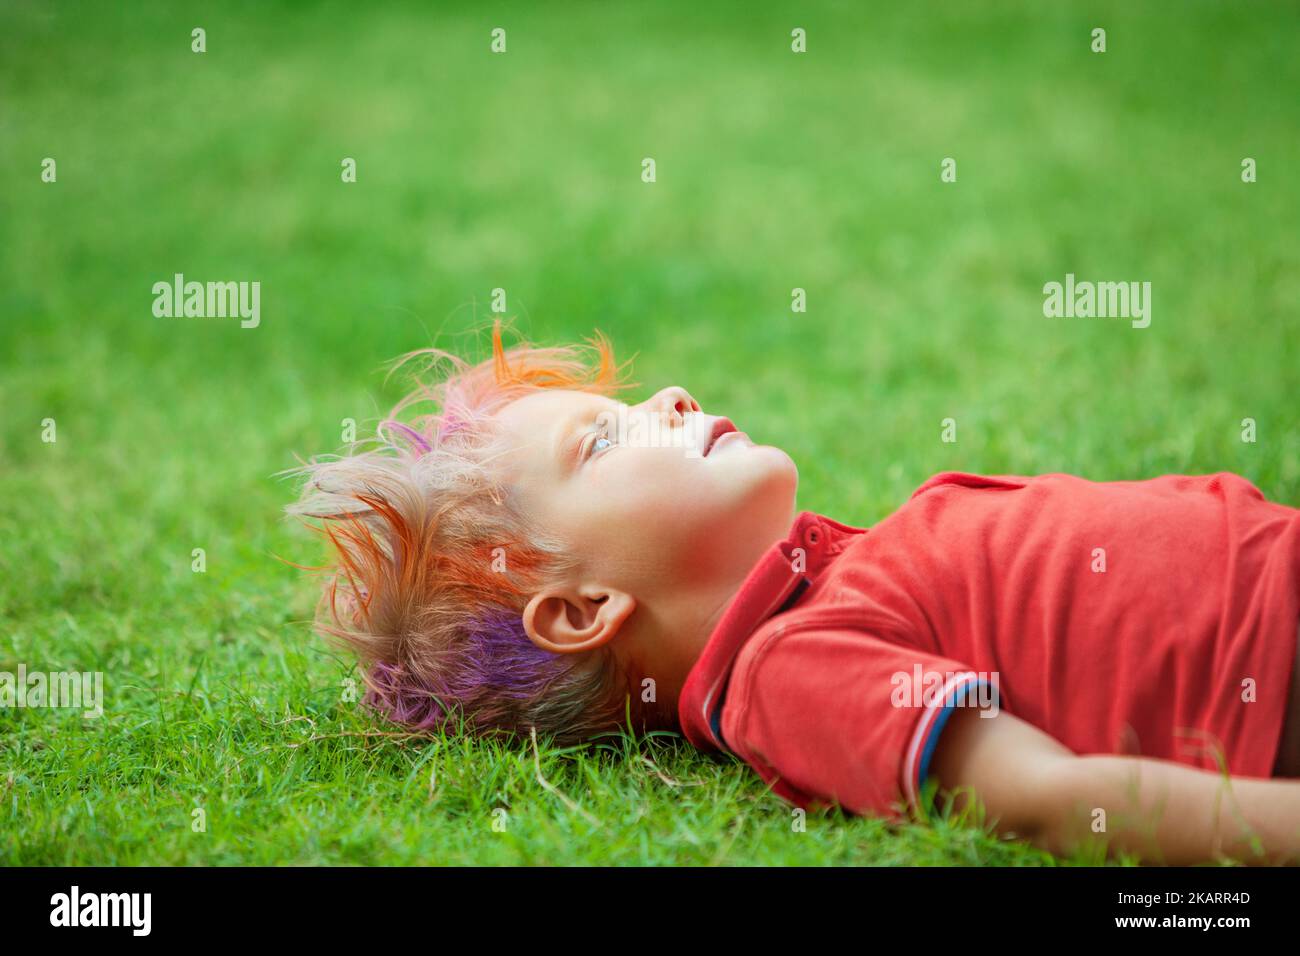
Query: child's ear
567	620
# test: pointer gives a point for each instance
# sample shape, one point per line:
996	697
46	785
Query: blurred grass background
522	171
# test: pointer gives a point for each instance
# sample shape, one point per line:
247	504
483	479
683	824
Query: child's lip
721	426
733	436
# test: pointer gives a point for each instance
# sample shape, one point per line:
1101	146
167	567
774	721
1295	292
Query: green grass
522	171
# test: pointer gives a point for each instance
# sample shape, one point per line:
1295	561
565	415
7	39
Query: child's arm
1034	787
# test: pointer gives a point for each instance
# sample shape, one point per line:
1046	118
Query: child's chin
774	478
775	460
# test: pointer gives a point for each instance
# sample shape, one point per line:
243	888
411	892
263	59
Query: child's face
653	497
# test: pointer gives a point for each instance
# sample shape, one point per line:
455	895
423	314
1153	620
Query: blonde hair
431	566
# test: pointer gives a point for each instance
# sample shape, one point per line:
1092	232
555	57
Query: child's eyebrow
569	437
567	443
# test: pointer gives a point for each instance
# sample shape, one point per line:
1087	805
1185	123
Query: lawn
523	171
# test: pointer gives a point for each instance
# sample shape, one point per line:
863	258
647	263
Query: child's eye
601	442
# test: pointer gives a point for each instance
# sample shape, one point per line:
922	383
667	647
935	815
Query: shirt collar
812	540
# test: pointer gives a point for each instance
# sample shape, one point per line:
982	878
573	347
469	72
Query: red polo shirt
1137	617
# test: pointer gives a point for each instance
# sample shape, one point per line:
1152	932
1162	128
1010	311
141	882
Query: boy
1092	661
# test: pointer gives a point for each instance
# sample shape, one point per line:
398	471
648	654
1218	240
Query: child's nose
674	398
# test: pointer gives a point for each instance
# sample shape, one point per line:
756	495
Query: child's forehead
548	404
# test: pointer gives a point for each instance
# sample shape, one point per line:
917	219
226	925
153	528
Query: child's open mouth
722	426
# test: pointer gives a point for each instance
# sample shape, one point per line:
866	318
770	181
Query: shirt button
812	535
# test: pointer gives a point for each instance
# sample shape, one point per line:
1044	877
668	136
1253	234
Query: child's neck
665	643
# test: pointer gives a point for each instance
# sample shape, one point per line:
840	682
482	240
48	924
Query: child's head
530	549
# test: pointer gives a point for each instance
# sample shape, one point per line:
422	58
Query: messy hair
431	565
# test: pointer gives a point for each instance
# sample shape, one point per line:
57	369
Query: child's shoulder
966	479
1208	482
